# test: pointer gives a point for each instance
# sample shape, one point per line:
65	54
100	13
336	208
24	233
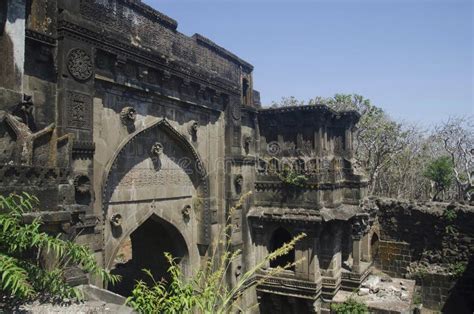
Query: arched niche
156	171
279	237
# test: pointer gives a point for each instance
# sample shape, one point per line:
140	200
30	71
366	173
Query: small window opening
280	237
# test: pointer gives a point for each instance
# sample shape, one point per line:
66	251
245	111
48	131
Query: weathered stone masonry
135	135
418	240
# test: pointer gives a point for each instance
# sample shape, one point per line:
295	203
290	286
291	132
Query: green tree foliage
440	171
208	291
24	250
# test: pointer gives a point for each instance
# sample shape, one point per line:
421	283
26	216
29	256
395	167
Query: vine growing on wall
450	215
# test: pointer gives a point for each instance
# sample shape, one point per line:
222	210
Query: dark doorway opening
145	249
374	246
281	236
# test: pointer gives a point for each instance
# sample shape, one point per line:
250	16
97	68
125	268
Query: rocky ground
88	307
381	292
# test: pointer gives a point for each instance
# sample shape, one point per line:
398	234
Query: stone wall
393	257
432	242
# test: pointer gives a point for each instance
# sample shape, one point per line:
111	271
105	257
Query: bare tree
457	138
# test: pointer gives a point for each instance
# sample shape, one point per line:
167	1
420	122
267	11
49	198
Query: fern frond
14	279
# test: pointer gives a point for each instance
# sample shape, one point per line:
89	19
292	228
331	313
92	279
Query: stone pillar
303	250
356	255
365	243
314	272
325	139
260	243
359	228
318	140
348	142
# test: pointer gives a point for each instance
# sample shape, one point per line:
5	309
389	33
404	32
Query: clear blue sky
414	58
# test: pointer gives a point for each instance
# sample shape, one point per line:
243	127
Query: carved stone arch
299	165
129	229
312	166
138	181
273	166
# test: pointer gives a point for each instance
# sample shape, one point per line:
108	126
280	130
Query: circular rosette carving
273	148
79	64
82	184
83	189
128	115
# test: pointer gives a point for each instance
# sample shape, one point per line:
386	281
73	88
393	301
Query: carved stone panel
79	111
136	177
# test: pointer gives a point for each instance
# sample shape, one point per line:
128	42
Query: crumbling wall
432	242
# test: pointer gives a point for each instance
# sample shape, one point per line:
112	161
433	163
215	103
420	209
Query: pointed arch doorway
155	200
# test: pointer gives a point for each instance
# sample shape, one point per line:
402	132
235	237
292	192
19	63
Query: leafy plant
208	290
417	299
451	230
457	269
293	179
350	306
24	249
449	214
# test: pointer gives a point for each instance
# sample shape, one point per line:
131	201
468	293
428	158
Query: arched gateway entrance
155	200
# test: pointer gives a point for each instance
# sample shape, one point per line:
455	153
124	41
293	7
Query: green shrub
350	306
293	179
457	269
24	274
440	171
208	290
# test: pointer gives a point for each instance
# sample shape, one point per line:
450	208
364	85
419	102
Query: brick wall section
435	289
393	257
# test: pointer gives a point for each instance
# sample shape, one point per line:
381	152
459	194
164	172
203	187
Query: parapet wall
434	243
433	236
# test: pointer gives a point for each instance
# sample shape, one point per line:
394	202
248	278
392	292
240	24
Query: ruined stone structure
135	135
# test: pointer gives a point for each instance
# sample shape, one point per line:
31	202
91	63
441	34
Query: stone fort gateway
138	140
